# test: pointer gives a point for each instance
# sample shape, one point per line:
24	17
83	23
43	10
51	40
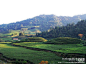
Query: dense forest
70	30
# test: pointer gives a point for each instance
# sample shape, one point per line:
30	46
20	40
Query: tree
21	34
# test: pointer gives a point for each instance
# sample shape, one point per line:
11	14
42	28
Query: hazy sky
17	10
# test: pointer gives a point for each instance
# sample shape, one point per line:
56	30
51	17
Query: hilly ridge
44	22
70	30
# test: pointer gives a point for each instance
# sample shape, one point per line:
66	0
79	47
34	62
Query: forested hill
43	22
71	30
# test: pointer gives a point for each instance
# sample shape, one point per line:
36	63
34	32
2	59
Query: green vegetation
5	42
14	32
6	39
68	40
21	34
27	54
64	40
42	23
70	45
33	39
8	36
66	48
29	44
36	39
63	44
70	30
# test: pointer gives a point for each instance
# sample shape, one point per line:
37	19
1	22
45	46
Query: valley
35	52
44	38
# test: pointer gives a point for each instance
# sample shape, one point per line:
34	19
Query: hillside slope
44	22
71	30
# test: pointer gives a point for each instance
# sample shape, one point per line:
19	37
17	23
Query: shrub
33	39
20	62
36	39
64	40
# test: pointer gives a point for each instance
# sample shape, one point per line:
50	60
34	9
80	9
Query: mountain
41	23
70	30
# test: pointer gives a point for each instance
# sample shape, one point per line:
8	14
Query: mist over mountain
42	22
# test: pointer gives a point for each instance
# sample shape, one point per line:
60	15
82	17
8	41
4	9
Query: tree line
70	30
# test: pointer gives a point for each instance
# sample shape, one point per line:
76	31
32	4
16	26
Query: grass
29	44
27	54
31	31
33	39
66	48
7	36
7	39
13	31
37	39
4	42
37	56
73	50
64	40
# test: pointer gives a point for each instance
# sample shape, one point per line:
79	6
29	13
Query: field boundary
69	55
8	60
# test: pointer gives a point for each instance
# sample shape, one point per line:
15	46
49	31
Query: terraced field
20	51
36	57
66	48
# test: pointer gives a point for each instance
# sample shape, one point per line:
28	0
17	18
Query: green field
16	52
7	39
5	42
27	54
66	48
